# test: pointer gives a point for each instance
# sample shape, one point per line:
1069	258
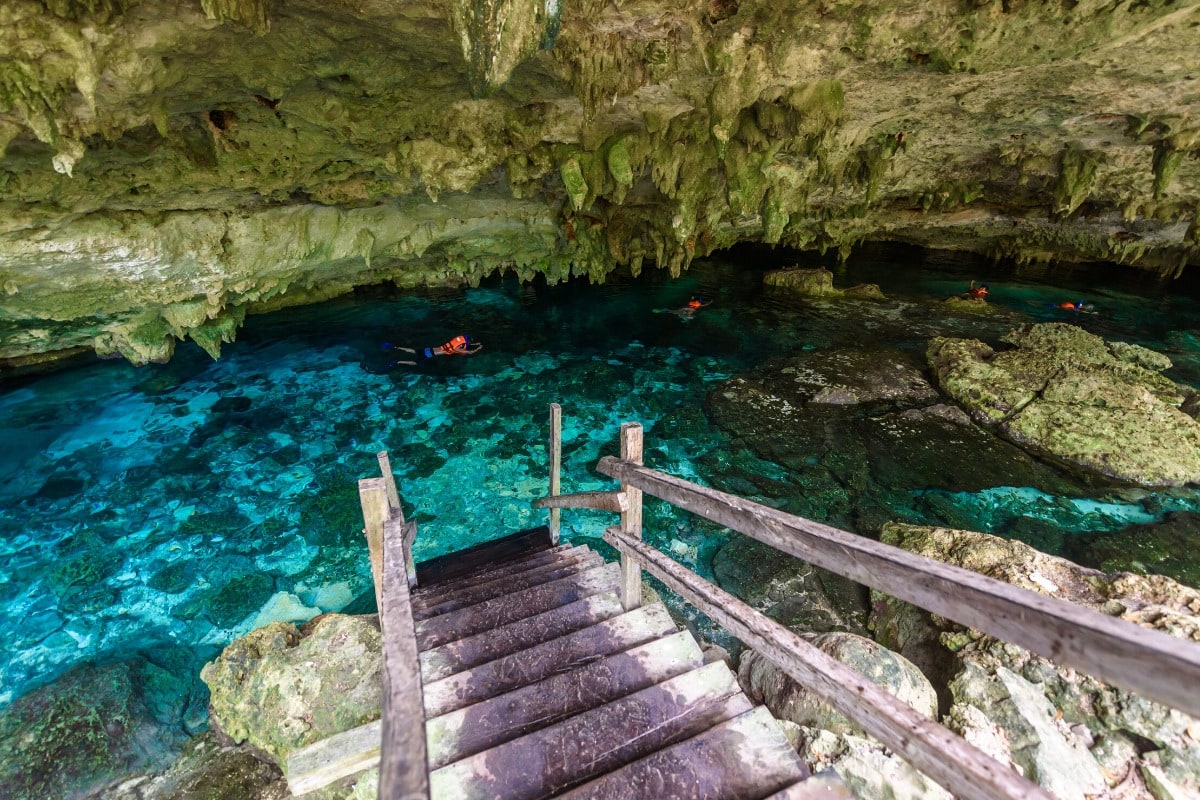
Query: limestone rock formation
1064	392
277	691
817	283
168	167
1071	733
764	681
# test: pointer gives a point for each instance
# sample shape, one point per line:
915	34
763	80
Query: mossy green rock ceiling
168	167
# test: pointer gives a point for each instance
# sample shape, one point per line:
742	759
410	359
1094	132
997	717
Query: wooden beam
945	757
403	768
631	517
389	480
346	753
555	467
601	501
372	496
1151	663
408	535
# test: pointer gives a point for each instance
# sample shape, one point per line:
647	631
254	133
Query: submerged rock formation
1064	392
168	167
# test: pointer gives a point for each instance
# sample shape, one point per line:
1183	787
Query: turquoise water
169	509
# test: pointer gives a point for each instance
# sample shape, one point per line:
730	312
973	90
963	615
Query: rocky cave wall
168	166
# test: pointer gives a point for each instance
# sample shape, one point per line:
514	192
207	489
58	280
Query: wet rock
1064	392
1033	713
278	692
1161	548
795	593
786	699
207	770
87	729
817	283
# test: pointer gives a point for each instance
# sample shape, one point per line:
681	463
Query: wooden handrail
403	767
1151	663
597	501
555	468
933	749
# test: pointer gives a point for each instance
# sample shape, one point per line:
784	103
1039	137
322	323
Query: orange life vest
455	344
693	304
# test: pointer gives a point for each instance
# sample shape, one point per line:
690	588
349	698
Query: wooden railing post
555	465
373	496
631	517
385	468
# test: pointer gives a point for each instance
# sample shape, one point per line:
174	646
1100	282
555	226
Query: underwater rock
794	593
1065	393
89	728
278	691
999	683
766	682
1159	548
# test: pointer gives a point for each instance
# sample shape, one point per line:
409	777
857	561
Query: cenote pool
162	511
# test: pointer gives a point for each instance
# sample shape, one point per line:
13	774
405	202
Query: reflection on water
171	508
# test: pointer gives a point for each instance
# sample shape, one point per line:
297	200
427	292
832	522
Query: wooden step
498	611
474	650
471	730
745	757
542	660
582	747
465	562
424	596
505	584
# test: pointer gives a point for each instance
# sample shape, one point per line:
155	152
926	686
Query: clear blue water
178	506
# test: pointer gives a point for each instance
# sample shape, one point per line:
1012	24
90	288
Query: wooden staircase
537	683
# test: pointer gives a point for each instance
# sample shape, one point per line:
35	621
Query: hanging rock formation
168	167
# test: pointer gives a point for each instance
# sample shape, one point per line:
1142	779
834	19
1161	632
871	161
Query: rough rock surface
786	699
277	691
207	770
792	592
1071	733
817	283
1064	392
154	192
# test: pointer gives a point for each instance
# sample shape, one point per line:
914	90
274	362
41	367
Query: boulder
1064	392
207	770
1072	733
793	592
89	728
277	690
817	283
786	699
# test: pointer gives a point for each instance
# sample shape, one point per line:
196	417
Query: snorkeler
977	292
1078	305
687	312
460	345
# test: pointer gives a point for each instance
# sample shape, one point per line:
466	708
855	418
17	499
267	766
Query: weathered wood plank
1151	663
427	596
546	658
555	466
747	756
476	728
346	753
478	593
475	650
482	556
599	501
631	518
498	611
389	482
372	497
943	756
403	771
577	749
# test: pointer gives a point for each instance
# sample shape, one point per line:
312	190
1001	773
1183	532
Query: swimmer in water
460	345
